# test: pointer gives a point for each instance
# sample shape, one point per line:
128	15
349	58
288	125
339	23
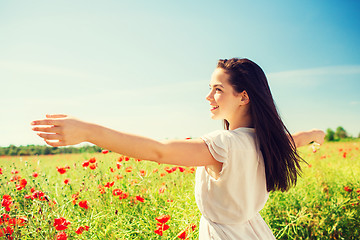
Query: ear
244	98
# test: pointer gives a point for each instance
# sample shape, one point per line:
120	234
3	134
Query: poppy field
109	196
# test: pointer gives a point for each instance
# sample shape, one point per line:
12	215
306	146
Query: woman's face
224	101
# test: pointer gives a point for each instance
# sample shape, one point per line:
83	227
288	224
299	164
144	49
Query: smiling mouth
214	107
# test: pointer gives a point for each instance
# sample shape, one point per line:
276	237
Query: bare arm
61	130
306	137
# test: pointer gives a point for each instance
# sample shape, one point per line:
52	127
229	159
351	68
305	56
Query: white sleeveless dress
230	205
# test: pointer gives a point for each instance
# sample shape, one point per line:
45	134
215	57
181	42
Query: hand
318	136
60	130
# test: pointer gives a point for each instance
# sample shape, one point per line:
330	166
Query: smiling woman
237	167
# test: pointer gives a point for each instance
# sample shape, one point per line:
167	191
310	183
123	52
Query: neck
241	119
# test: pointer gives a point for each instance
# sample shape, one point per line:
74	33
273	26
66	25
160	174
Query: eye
218	90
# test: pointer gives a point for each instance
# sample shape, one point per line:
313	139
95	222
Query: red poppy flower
159	231
121	158
118	165
127	159
117	192
85	163
118	177
112	170
92	166
14	171
12	222
61	223
5	217
7	197
84	204
160	228
183	234
92	160
28	197
109	184
163	218
7	231
1	171
344	155
61	236
61	170
181	169
66	180
6	202
105	151
129	169
163	226
35	174
39	195
346	188
75	198
142	173
80	230
21	185
123	195
21	221
140	199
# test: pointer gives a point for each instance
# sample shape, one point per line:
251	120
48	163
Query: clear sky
144	66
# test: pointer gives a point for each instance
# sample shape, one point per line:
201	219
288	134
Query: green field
323	205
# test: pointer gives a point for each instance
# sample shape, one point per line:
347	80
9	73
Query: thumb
56	115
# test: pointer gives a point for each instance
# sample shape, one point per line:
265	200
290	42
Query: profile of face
224	101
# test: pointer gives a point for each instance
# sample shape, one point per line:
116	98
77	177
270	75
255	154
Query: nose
210	96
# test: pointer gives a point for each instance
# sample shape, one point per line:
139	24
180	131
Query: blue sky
144	66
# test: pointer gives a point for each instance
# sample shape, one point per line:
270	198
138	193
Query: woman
237	167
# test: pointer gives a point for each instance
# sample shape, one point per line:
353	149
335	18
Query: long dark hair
276	143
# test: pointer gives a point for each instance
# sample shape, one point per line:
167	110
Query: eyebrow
216	85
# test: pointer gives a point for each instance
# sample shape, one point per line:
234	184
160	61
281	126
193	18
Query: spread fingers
47	136
49	129
54	122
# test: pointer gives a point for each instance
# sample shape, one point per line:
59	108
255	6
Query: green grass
317	208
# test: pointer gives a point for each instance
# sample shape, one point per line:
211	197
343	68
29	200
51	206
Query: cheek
218	97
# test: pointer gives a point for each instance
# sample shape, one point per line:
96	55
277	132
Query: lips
213	108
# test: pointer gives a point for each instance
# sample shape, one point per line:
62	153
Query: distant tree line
337	135
30	150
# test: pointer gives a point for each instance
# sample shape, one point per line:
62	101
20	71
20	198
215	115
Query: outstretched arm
306	137
61	130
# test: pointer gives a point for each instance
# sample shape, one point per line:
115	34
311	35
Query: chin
214	117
